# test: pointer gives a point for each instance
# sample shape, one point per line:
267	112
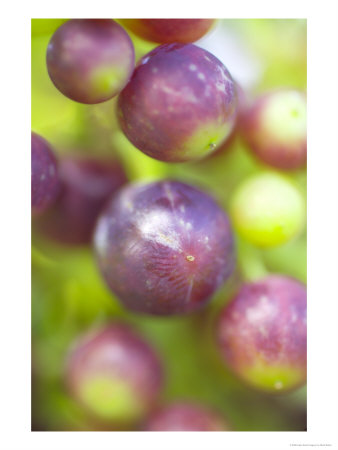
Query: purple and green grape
90	60
179	105
262	334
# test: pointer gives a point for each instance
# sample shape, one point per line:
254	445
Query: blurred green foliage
69	296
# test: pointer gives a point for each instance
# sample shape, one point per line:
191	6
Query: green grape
267	210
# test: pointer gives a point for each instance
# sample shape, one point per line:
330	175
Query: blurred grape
45	182
262	334
268	210
166	31
86	185
90	60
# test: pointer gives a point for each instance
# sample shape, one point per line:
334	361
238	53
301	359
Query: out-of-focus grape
262	334
166	31
179	105
45	177
275	129
114	374
86	185
90	60
184	416
164	248
267	209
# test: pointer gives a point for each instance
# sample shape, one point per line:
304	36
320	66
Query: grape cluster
167	247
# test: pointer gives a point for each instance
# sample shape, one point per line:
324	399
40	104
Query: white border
322	226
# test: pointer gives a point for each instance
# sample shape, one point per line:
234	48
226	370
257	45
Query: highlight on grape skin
275	129
164	248
45	183
90	60
267	209
262	334
86	185
186	416
166	31
179	105
114	374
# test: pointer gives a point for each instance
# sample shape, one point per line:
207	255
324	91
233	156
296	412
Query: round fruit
164	248
267	210
166	31
186	417
114	374
179	105
86	185
45	183
90	60
275	129
262	334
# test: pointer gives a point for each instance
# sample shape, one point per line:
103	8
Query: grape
166	31
275	129
267	210
90	60
164	247
179	104
186	417
262	333
86	185
45	178
114	374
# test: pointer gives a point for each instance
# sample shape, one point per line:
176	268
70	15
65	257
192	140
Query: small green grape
267	210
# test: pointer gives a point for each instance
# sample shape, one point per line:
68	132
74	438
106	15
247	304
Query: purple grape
262	334
45	179
275	129
164	247
114	374
169	30
90	60
179	105
86	185
186	417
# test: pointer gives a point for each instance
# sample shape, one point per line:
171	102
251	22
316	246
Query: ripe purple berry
164	248
45	183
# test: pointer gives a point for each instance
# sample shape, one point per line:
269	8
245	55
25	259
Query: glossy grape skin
163	248
262	334
114	374
184	416
90	60
274	127
167	31
45	183
179	105
86	186
267	210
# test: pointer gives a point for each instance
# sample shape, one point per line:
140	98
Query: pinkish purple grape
90	60
114	374
166	31
86	185
164	248
45	183
179	105
262	334
184	416
274	127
